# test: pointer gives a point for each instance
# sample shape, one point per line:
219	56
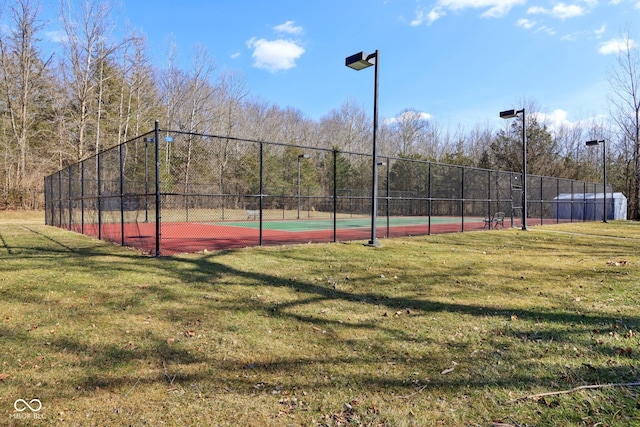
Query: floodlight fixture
508	114
361	60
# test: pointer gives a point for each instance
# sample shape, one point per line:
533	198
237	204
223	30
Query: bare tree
86	48
624	99
411	132
189	101
231	90
143	97
24	87
172	84
348	128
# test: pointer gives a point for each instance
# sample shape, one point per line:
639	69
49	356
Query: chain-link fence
167	192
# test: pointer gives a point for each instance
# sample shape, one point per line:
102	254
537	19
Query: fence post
82	196
462	199
260	195
572	197
60	199
429	200
387	197
146	180
511	198
557	201
595	200
489	195
99	196
156	137
70	198
335	195
584	202
53	201
121	195
46	186
541	200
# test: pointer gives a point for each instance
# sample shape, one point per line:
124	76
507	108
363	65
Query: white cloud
571	37
288	28
556	121
428	18
409	116
615	46
525	23
57	36
559	11
275	55
279	54
436	13
235	55
494	9
545	29
563	11
419	19
589	34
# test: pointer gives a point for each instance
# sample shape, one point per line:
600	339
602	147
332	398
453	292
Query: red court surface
189	237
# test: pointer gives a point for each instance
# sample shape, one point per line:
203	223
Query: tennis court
180	237
304	225
145	193
193	236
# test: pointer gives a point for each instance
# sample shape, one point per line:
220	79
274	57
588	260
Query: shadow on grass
209	273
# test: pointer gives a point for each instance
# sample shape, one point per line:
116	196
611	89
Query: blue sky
457	61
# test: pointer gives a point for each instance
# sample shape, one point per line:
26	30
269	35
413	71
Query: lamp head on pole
595	142
359	61
303	156
510	114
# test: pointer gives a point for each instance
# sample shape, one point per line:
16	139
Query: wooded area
97	92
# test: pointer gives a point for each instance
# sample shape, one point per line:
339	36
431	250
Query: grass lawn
464	329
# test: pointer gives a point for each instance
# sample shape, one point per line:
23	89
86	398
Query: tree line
98	91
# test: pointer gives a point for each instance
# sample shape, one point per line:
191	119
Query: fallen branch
166	374
134	386
573	390
414	393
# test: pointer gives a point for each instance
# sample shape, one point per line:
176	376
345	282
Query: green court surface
298	225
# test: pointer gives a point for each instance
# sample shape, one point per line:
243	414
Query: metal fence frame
115	193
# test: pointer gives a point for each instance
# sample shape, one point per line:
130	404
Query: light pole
300	156
509	114
358	62
604	172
